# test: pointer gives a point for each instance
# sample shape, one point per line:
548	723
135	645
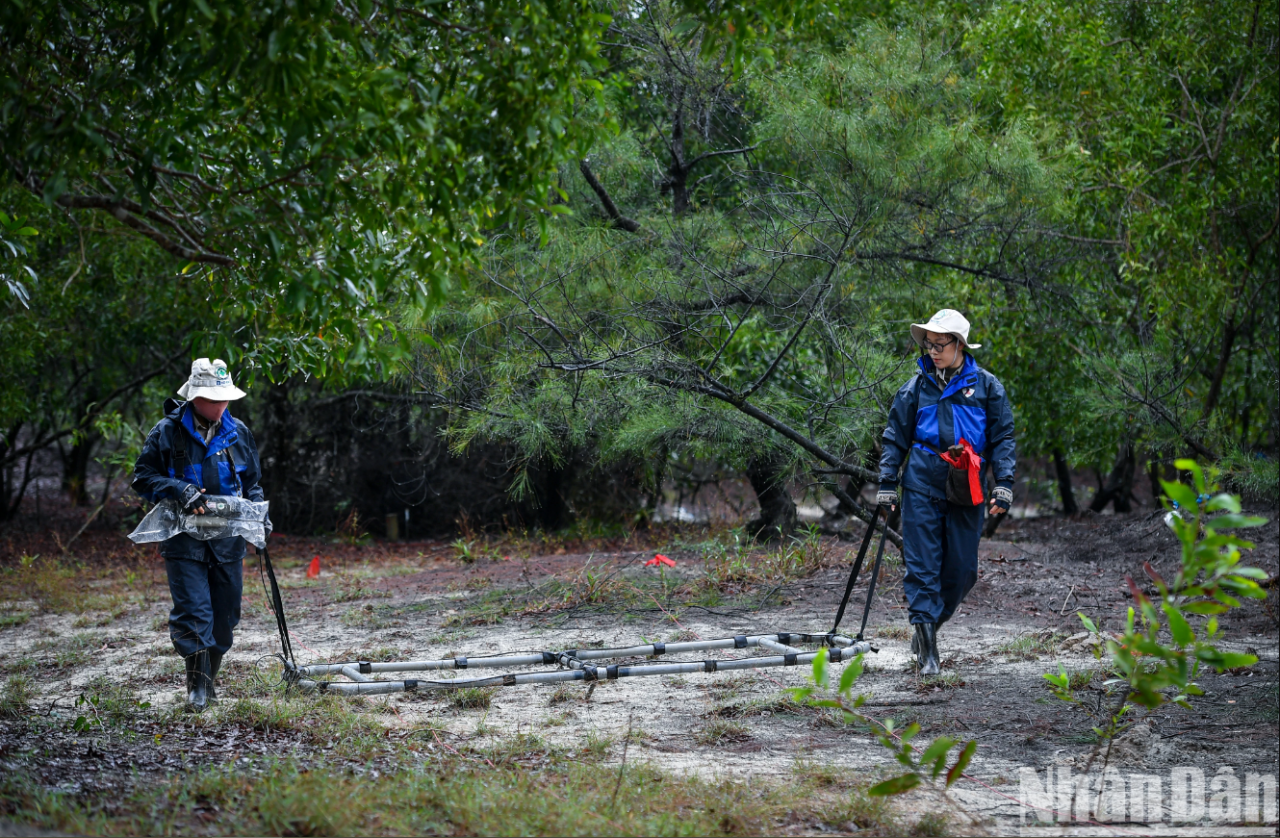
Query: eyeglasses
930	346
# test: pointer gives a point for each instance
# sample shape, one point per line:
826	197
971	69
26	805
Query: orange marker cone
313	569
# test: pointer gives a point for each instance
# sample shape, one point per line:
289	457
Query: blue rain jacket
974	407
228	465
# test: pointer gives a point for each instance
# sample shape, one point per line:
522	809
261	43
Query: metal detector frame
575	664
578	664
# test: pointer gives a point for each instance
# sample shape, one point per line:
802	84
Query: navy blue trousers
940	548
206	603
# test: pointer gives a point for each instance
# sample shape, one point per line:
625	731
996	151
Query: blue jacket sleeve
253	466
151	477
1003	454
898	433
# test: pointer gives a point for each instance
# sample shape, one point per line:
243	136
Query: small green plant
1030	646
16	697
595	745
350	531
1209	581
465	551
941	681
14	619
922	768
1078	679
348	588
89	719
105	702
472	698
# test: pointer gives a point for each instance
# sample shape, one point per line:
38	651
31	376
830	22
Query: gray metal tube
350	672
451	663
775	646
424	666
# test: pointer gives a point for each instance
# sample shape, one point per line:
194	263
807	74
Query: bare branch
610	207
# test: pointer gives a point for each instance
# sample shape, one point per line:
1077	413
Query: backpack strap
178	455
239	487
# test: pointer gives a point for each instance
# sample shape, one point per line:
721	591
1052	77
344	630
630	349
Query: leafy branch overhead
330	161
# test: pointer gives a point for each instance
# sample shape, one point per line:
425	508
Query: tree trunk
678	172
1229	332
75	469
777	510
1118	488
1068	495
553	509
277	446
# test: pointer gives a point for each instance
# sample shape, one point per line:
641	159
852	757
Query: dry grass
1030	646
721	732
472	698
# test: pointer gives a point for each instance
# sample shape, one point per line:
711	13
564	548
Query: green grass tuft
16	697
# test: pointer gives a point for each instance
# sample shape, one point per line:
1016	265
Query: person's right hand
191	500
887	501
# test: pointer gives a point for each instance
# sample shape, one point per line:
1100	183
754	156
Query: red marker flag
313	569
659	559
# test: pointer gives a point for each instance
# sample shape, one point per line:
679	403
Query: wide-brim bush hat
210	380
947	321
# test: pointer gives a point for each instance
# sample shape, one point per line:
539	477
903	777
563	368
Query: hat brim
214	394
918	330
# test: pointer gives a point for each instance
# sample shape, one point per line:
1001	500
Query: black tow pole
277	605
857	569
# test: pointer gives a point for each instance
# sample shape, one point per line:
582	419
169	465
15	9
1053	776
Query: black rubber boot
215	663
925	645
198	681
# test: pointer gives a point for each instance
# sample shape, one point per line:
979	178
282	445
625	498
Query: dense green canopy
654	232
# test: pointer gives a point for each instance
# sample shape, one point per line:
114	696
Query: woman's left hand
996	509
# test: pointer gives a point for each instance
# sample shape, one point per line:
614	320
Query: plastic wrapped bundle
225	517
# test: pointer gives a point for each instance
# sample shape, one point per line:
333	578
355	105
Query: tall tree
755	332
319	162
1161	118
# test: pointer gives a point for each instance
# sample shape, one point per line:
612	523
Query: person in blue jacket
198	448
949	399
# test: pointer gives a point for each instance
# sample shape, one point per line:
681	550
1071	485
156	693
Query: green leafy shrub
1209	581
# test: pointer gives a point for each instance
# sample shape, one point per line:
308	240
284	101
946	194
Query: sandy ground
1035	576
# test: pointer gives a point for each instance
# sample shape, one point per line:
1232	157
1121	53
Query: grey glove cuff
886	498
190	497
1002	496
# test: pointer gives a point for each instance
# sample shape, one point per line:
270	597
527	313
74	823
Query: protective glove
886	497
190	498
1002	497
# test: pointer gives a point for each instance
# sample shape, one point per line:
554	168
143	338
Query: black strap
871	583
277	605
857	568
178	454
235	475
926	446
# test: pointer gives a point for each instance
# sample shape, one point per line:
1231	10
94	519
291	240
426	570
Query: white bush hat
948	321
210	380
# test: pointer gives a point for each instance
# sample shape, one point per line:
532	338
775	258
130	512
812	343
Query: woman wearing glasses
949	405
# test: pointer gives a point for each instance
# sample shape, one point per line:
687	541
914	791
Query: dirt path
1018	623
